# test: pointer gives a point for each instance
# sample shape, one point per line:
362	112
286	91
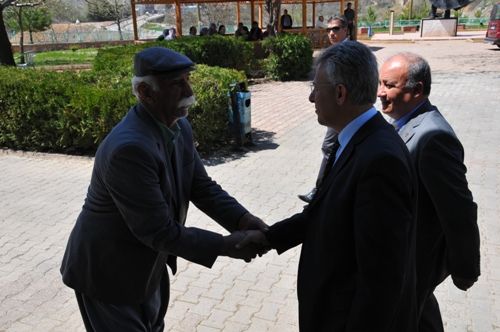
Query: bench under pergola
317	36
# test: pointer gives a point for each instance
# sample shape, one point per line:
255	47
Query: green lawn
66	57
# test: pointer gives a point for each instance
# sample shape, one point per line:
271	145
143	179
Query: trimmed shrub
71	112
226	52
209	116
290	57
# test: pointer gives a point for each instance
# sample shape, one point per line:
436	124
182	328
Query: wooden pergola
304	29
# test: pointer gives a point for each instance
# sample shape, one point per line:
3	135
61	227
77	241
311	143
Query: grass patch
66	57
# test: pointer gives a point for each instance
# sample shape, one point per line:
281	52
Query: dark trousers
326	148
142	317
429	314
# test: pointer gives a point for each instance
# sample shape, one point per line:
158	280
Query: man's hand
463	284
231	248
250	222
255	239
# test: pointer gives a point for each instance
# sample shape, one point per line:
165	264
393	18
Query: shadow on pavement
261	140
375	48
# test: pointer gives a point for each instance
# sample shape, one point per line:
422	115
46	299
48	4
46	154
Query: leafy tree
371	15
114	10
31	19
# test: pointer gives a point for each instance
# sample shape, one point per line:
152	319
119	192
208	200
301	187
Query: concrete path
41	195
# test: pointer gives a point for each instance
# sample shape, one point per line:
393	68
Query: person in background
222	30
447	230
320	23
286	20
241	31
132	224
350	14
193	31
212	29
255	32
204	31
172	34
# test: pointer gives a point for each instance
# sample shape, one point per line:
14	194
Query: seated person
222	29
255	32
192	31
204	31
240	31
212	29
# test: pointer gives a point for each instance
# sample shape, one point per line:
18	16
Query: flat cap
161	61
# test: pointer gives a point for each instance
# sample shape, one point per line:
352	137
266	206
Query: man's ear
340	94
418	90
144	91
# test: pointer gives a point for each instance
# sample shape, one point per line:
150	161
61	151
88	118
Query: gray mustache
186	102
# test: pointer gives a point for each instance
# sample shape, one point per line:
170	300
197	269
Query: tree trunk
6	56
21	38
118	23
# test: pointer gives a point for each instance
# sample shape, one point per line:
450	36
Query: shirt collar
399	123
350	130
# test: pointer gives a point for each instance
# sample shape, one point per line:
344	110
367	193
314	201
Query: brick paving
41	195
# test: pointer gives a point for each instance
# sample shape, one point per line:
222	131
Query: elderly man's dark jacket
132	222
357	265
447	231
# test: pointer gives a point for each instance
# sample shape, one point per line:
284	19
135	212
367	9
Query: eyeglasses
313	85
334	29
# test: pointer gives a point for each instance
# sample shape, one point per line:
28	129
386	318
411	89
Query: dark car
493	32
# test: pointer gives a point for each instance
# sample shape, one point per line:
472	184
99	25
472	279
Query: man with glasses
337	33
357	263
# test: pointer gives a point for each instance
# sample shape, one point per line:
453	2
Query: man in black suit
357	264
132	223
286	20
447	232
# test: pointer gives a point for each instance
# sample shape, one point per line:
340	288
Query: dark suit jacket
133	218
447	232
357	265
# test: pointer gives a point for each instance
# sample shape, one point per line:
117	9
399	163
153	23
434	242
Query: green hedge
73	112
226	52
290	57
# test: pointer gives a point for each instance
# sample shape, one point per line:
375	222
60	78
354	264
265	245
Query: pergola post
178	17
238	13
261	15
314	14
134	19
252	11
304	17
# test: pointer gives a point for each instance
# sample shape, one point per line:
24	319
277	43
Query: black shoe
309	196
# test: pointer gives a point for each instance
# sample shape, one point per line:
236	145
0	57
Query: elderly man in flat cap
132	222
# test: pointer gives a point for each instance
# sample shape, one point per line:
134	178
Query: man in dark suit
286	20
357	264
132	223
447	232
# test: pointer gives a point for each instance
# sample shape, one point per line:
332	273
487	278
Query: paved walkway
41	195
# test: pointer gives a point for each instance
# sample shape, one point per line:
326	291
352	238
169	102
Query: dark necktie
331	160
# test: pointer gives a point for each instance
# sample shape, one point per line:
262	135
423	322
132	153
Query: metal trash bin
239	113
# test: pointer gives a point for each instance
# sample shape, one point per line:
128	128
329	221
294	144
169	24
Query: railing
74	37
403	23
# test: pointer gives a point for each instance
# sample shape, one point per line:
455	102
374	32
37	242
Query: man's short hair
353	65
342	19
418	71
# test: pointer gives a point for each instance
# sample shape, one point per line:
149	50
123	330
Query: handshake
248	241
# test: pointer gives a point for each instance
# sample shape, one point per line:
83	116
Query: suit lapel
408	130
371	125
169	186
